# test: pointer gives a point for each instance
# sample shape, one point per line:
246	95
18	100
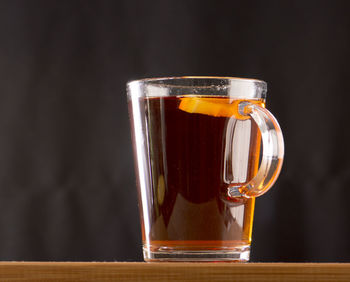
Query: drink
196	148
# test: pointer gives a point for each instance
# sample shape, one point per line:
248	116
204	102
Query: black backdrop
67	187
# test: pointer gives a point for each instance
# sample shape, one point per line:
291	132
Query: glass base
238	254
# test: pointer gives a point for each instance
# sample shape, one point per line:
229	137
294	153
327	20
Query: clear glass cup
205	148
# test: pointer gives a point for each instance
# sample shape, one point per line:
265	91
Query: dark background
67	184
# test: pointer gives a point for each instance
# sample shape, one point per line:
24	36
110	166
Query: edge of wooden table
140	271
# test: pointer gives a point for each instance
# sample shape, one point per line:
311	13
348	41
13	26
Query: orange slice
217	107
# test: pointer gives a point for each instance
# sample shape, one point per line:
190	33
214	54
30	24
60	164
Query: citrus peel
217	107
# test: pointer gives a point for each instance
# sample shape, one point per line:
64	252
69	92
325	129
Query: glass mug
199	168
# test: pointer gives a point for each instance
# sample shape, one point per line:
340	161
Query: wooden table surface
138	271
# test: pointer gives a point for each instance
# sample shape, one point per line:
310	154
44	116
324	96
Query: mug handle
272	152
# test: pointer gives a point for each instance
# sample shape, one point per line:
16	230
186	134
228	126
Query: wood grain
132	271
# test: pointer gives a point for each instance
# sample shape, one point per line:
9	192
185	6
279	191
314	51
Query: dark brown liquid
188	207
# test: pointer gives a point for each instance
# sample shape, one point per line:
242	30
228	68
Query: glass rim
194	77
228	86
